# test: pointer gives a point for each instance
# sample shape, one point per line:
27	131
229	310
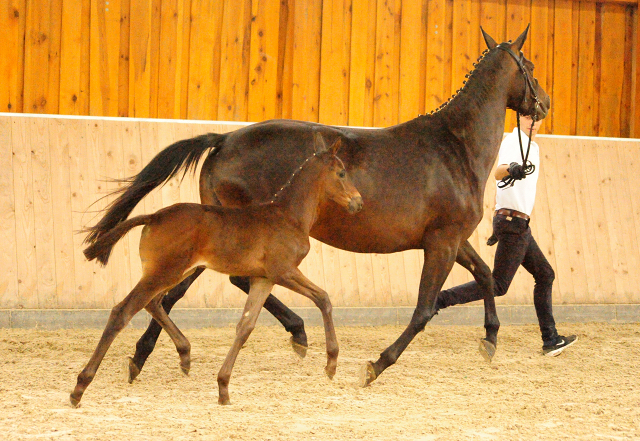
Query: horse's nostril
355	204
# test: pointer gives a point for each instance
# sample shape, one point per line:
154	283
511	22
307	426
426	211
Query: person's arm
501	171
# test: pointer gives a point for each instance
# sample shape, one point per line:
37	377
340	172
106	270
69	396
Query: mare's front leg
289	319
440	249
146	344
260	288
296	281
120	316
469	259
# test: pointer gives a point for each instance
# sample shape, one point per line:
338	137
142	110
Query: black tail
101	248
165	165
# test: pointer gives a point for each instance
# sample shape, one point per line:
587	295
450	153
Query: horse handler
515	197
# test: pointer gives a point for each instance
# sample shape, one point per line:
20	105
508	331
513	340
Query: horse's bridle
528	167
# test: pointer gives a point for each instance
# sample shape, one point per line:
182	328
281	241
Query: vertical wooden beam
42	60
173	56
586	66
562	59
413	44
74	57
612	69
8	252
306	60
234	61
263	72
335	61
435	90
386	84
12	34
204	58
104	60
362	63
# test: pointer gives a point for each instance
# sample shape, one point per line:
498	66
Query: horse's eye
342	174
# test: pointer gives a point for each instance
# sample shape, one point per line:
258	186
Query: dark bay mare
265	242
422	182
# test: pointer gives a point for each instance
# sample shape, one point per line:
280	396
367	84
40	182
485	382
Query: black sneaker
560	345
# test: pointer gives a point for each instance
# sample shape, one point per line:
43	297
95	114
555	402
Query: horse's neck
300	200
475	117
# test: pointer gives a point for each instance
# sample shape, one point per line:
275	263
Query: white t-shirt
522	195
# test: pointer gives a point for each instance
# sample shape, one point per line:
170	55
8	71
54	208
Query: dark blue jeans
516	246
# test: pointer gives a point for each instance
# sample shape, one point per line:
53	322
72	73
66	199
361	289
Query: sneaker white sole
558	351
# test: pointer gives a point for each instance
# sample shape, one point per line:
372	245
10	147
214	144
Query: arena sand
440	389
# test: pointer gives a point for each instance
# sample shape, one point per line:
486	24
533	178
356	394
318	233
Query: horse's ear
335	146
491	43
320	145
521	39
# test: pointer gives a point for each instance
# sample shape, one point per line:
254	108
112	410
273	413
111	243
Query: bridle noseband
528	167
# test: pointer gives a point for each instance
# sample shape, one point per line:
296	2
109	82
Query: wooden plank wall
55	170
357	62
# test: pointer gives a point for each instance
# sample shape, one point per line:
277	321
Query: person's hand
516	171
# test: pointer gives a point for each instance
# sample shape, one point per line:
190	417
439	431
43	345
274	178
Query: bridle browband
528	167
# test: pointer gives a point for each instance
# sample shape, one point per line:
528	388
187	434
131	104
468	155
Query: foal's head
338	185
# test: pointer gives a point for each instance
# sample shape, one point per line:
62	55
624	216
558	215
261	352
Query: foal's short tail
165	165
101	248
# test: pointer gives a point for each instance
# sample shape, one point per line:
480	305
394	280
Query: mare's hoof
300	350
487	349
134	370
224	401
330	372
75	402
367	374
185	370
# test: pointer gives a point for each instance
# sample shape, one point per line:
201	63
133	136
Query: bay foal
264	242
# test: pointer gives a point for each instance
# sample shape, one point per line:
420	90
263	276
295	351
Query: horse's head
338	185
525	93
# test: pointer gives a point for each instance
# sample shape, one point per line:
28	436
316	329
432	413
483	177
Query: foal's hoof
367	374
300	350
185	370
134	370
75	402
487	349
330	372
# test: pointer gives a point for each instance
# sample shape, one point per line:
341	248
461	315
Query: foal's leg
182	344
289	319
147	342
120	316
296	281
260	288
468	258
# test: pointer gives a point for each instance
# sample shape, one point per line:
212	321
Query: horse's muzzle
355	204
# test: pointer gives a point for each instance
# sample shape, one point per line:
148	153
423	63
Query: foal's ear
335	146
521	39
491	43
320	145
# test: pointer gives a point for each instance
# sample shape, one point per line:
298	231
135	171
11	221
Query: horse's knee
420	320
117	320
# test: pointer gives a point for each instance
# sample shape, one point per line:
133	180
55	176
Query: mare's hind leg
182	344
289	319
296	281
147	342
120	316
260	288
468	258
